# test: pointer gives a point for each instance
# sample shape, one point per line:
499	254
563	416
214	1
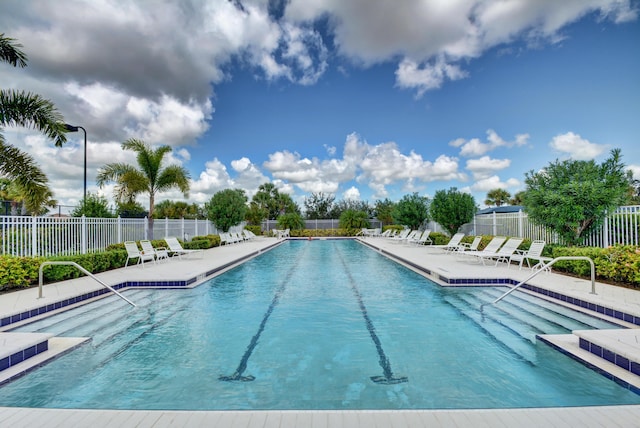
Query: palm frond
174	176
10	52
26	175
20	108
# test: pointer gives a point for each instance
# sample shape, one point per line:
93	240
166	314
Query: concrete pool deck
430	262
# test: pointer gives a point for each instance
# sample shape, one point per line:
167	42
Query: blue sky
361	99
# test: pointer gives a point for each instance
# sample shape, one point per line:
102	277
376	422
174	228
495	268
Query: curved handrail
83	270
544	266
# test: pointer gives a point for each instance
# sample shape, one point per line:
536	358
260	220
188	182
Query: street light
71	128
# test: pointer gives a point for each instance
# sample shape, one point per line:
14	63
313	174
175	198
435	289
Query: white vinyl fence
620	227
50	236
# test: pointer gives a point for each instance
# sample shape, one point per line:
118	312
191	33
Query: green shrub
257	230
16	272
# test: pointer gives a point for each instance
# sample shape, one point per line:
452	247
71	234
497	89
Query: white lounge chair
159	253
133	252
492	247
504	252
423	239
177	250
533	253
473	246
452	245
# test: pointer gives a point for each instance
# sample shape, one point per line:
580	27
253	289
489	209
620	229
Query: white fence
620	227
49	236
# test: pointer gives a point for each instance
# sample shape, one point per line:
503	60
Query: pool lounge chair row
499	249
151	254
408	236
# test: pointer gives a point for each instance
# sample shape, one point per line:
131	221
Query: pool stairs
613	350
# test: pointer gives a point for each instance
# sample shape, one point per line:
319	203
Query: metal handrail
83	270
545	266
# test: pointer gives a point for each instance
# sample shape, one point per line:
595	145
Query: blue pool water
315	325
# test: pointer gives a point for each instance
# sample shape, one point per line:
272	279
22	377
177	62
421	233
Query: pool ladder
81	269
544	267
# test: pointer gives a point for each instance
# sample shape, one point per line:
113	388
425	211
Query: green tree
318	206
292	220
93	206
227	208
452	208
20	108
352	219
350	204
268	199
497	197
130	209
412	210
572	197
151	178
517	199
178	209
255	214
383	211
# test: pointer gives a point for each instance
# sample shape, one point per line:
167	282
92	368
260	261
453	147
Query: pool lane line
388	378
238	375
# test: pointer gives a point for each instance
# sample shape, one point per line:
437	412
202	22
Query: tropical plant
130	209
227	208
93	206
350	204
269	200
572	197
412	210
151	178
517	199
292	221
20	108
352	219
452	208
178	209
497	197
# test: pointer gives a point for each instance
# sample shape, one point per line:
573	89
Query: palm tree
19	108
497	197
151	178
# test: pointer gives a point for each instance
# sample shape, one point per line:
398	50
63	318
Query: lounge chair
177	250
503	253
159	253
401	236
133	252
491	249
452	245
248	235
473	246
533	253
423	239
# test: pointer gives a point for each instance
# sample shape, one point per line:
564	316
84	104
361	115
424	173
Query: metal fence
49	236
620	227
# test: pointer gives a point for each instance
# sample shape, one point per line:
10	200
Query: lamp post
71	128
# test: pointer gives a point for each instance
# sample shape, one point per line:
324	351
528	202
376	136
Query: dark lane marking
388	377
238	374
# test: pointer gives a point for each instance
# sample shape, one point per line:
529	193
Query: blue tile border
23	354
617	359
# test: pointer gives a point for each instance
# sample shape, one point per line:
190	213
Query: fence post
146	227
84	234
119	230
605	231
495	224
520	224
34	236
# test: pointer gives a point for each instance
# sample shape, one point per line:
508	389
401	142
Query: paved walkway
433	260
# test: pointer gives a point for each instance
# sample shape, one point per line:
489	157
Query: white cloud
411	75
576	147
352	194
485	166
475	147
494	182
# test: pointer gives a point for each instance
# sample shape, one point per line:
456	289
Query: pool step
20	352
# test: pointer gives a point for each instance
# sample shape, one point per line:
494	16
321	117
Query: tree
151	178
227	208
352	219
497	197
178	209
412	210
130	209
20	108
517	199
255	214
292	221
572	197
383	211
268	199
318	206
452	208
350	204
93	206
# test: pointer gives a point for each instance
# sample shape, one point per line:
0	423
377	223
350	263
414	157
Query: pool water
315	325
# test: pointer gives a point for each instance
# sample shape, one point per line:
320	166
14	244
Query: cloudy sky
363	99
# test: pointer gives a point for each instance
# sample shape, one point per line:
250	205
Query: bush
620	263
17	272
257	230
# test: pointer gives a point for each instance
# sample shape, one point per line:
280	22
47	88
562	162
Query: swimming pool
315	325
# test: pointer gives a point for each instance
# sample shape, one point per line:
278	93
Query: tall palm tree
151	178
20	108
497	197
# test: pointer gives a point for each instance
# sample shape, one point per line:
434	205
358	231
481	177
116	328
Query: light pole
71	128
